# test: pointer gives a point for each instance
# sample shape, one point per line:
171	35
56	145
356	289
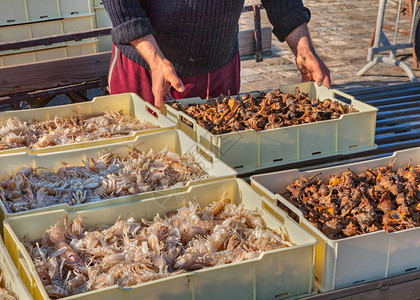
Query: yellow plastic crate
174	140
20	11
249	150
105	43
11	278
102	21
128	103
45	53
102	18
353	260
276	274
29	30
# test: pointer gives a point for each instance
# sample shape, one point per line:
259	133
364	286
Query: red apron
127	76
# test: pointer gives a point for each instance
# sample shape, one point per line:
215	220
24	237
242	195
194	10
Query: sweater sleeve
129	20
286	15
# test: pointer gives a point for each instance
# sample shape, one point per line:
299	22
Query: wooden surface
53	39
54	73
247	44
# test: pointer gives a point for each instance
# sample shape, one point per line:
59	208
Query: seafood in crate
73	129
267	110
109	175
80	177
383	238
73	260
269	129
186	235
352	204
104	120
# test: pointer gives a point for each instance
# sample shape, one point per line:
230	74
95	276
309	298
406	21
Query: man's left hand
308	62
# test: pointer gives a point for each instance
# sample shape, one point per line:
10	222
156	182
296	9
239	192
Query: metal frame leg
379	39
389	61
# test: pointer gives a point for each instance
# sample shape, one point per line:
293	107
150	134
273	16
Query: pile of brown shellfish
351	204
268	110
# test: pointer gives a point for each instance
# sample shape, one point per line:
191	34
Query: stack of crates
27	19
102	21
281	273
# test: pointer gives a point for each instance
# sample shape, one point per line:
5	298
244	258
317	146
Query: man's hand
163	77
308	62
163	72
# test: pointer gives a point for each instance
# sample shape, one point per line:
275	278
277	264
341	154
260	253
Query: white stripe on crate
114	60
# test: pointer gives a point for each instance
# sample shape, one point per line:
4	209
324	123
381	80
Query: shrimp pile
5	294
72	260
109	176
74	129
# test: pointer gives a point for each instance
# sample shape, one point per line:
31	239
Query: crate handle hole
238	167
353	146
74	13
280	295
316	153
289	212
272	212
186	122
43	17
410	269
277	159
359	281
168	112
204	154
10	21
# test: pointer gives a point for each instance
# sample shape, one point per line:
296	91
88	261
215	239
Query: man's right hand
163	72
163	77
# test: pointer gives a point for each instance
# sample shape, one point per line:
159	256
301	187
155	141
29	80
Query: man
187	48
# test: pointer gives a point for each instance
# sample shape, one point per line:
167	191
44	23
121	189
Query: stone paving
341	32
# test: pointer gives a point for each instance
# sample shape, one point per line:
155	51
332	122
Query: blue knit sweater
197	36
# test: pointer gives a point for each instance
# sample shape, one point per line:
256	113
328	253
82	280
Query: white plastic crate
12	12
21	11
277	274
357	259
74	7
174	140
249	150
